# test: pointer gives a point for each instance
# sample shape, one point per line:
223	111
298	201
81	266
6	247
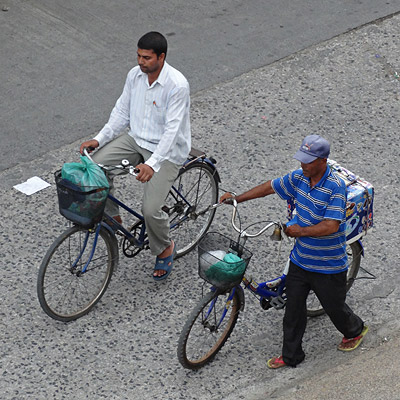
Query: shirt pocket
159	114
318	206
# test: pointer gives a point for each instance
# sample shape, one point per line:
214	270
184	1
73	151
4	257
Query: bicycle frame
139	241
270	293
274	298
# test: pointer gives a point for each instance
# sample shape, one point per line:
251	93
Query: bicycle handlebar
124	163
243	233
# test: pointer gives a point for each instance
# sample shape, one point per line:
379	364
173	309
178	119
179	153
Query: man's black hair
153	41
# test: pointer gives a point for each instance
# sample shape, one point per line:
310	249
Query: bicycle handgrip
229	200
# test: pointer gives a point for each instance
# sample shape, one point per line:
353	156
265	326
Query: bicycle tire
188	355
354	251
198	185
64	293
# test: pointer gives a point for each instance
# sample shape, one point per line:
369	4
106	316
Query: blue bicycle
213	319
78	266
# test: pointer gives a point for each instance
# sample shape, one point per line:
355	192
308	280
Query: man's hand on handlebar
145	173
226	198
90	145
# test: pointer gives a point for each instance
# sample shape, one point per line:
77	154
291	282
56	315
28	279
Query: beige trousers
155	191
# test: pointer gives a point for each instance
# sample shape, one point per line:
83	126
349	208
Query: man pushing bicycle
318	260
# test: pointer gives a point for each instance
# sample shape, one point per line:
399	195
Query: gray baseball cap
313	147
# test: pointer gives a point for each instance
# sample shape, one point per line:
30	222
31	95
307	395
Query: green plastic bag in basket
226	271
82	192
84	174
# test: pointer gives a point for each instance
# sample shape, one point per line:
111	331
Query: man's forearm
324	228
262	190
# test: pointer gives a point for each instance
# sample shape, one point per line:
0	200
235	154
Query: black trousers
331	292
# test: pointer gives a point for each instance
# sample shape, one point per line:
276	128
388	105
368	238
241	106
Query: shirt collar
163	74
322	180
161	77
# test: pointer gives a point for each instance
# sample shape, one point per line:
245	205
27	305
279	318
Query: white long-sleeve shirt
157	115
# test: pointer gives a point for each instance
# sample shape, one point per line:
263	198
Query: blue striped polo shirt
326	200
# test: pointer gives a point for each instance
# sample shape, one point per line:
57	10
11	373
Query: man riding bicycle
154	105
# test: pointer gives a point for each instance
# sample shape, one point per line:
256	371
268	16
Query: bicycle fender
212	165
110	232
109	229
209	162
362	247
240	292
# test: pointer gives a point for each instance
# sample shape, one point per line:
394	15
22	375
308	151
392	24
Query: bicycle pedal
278	302
265	304
166	209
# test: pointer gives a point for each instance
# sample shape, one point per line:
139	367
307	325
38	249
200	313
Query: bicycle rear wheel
207	330
354	251
194	190
65	292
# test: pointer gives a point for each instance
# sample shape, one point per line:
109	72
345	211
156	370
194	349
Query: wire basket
83	205
222	261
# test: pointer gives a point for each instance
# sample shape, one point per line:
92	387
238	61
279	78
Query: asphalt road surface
63	64
346	89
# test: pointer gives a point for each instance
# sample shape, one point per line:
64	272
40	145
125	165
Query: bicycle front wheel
354	251
67	292
187	204
207	329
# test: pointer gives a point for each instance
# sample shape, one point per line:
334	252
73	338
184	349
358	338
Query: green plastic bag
85	174
226	271
82	192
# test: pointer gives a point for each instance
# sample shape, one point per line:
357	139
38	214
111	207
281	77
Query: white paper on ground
32	185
